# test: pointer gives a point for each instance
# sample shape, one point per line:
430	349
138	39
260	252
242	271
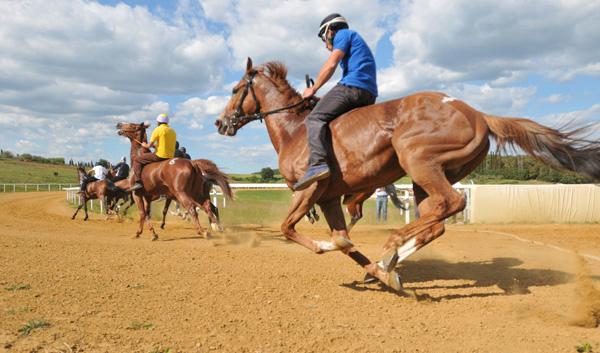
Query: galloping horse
174	178
103	190
436	139
211	175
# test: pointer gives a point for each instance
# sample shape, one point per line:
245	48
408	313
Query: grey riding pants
339	100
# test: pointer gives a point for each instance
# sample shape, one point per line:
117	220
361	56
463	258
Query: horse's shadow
501	272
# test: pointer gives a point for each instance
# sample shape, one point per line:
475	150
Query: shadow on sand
500	272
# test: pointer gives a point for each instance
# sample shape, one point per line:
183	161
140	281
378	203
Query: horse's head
134	132
244	104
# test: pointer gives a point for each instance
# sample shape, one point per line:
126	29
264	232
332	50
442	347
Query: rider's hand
309	92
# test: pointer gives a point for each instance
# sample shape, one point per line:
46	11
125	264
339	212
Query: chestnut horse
211	175
436	139
174	178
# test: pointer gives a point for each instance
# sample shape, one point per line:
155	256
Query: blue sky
71	69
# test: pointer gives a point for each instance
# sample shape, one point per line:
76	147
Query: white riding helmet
163	118
333	21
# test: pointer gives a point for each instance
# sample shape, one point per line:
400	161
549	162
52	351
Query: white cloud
122	48
287	31
554	98
445	41
195	111
574	118
493	100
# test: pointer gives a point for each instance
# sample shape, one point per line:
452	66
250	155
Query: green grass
14	311
584	348
161	350
15	171
32	325
17	287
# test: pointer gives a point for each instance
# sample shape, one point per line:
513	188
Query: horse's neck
135	149
282	126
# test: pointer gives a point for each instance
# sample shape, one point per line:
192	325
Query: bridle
238	115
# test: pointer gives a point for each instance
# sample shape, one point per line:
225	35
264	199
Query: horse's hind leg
164	212
190	205
441	202
208	207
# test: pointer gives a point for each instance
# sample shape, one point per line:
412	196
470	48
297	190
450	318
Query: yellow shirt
164	139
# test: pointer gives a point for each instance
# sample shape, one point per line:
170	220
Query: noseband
238	115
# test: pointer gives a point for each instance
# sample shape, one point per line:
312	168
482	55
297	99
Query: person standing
163	138
381	201
357	88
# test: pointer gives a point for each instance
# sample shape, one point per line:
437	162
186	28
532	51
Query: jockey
121	170
184	153
163	139
99	174
357	88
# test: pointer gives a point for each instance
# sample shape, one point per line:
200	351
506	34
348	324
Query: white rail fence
20	187
405	193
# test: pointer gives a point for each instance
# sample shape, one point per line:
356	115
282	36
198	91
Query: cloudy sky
71	69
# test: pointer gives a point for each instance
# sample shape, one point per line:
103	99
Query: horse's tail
211	172
561	149
119	193
391	191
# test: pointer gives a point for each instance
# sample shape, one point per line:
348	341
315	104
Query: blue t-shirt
358	64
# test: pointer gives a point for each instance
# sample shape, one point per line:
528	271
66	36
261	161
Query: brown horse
211	175
436	139
103	190
174	178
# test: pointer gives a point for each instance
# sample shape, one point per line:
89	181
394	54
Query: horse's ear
248	65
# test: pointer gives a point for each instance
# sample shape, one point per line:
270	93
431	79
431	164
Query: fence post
14	187
407	205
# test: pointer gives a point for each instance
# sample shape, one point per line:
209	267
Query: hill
15	171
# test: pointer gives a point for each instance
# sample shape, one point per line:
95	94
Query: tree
267	174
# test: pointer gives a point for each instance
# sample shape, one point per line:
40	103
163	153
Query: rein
238	115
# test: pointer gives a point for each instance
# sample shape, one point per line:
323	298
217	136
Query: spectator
381	201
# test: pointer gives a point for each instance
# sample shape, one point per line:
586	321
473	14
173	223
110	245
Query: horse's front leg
85	209
81	203
148	209
301	204
334	215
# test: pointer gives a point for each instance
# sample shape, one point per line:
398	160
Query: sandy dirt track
249	290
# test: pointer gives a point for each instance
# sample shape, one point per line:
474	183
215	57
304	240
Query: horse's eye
235	90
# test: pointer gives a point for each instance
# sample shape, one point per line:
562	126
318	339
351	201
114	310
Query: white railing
18	187
73	198
405	192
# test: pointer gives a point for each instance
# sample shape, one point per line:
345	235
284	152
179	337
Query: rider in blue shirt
357	88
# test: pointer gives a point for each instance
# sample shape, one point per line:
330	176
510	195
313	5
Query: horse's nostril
218	123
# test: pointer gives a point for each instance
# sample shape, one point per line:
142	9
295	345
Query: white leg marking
326	245
409	248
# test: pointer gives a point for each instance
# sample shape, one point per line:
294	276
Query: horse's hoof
369	278
394	281
343	242
155	237
162	226
389	260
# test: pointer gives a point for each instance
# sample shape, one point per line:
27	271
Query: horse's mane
277	72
